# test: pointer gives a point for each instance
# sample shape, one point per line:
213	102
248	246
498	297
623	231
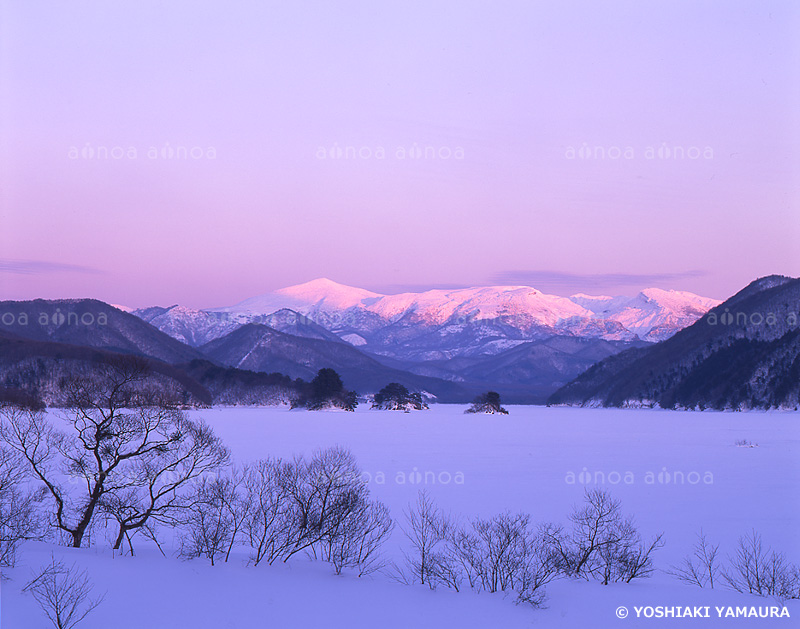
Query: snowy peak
320	294
437	307
654	314
600	304
478	317
678	299
331	294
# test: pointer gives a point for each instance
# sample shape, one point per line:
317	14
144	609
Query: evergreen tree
395	397
488	402
327	390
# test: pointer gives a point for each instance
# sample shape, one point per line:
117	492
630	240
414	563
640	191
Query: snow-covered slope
654	314
198	327
508	303
521	307
317	295
485	320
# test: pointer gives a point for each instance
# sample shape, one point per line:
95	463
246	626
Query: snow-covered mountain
440	324
750	360
198	327
320	295
653	315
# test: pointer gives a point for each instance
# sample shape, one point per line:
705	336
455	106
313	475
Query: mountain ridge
363	317
743	353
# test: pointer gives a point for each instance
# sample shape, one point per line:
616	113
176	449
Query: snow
651	308
354	339
438	306
320	294
333	305
529	461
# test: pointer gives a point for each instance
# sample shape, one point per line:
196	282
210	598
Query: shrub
320	506
755	569
62	592
19	520
499	554
702	567
602	545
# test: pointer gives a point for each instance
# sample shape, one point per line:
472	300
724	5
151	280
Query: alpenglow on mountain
439	324
743	354
450	345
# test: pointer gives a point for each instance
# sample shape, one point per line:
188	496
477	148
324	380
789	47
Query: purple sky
511	91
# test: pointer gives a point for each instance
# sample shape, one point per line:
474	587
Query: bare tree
701	568
19	520
323	493
215	517
790	588
320	506
269	520
150	531
63	593
602	545
755	569
129	447
505	554
154	487
358	541
428	530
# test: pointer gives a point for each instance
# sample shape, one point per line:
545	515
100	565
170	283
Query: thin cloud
396	289
41	267
578	281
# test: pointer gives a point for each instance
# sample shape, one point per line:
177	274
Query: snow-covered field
676	472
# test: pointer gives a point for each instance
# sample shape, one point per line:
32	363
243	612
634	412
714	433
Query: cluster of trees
396	397
15	396
488	402
326	390
320	507
602	544
507	553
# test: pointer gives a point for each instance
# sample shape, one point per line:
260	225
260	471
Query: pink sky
507	89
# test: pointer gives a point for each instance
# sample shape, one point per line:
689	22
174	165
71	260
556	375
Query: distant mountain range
450	344
516	339
742	354
440	324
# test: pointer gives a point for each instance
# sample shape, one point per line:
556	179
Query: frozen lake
676	472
